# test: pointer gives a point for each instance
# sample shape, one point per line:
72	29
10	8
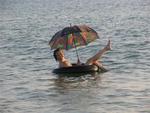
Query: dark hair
55	52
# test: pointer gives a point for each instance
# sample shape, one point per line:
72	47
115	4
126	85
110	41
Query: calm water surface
27	84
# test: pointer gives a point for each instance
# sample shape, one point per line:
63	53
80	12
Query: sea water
27	84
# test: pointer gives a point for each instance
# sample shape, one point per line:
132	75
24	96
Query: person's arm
65	63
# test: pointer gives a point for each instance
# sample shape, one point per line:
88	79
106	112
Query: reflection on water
77	82
75	93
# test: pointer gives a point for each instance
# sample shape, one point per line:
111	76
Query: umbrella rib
53	43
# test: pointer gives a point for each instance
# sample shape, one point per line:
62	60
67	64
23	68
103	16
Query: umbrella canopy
72	37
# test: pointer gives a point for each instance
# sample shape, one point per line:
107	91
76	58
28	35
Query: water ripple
26	62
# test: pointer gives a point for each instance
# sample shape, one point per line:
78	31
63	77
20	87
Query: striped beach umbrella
72	37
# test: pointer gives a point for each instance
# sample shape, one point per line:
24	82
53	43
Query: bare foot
108	46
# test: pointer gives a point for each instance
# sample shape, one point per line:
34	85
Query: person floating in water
63	62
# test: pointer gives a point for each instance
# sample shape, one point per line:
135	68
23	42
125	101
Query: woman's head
58	54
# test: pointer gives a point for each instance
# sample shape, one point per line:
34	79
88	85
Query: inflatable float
75	69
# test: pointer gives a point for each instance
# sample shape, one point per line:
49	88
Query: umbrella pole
78	61
77	54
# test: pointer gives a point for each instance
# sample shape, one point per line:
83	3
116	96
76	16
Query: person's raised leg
96	57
